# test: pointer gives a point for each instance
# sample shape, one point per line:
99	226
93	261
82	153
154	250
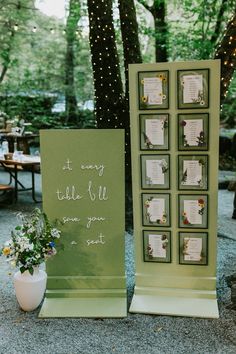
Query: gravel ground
22	332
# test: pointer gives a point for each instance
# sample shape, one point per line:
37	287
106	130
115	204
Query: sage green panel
84	307
74	282
83	188
188	276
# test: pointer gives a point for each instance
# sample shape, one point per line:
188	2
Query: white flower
31	230
31	246
55	233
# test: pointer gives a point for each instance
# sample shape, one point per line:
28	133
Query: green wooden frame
182	174
146	182
143	100
183	240
203	97
202	139
165	220
184	218
145	141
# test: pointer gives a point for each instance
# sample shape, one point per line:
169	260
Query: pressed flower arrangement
32	242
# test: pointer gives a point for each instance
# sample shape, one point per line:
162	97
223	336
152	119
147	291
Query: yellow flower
144	99
6	251
163	219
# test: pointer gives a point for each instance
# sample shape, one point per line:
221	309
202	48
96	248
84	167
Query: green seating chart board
174	111
83	188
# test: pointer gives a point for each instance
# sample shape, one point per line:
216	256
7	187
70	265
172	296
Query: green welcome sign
83	188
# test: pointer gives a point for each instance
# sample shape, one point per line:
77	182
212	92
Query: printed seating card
192	249
192	88
154	130
192	173
192	214
156	210
85	191
192	132
156	246
153	90
154	172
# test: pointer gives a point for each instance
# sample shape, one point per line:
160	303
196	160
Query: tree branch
145	5
219	21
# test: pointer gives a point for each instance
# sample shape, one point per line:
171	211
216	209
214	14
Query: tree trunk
111	106
226	52
70	93
7	56
109	98
130	40
158	11
161	30
132	54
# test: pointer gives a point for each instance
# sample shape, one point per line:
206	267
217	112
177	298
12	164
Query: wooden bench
4	188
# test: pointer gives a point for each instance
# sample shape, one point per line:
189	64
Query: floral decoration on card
155	211
194	213
192	249
153	89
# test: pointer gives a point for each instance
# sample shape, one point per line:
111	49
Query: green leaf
31	270
22	269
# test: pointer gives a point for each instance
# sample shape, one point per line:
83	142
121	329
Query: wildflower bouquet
32	242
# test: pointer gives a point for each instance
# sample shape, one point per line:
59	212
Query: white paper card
192	88
156	209
191	208
193	249
192	130
192	172
156	244
153	90
154	129
154	172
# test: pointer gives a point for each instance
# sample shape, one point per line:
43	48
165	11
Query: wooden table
23	141
29	163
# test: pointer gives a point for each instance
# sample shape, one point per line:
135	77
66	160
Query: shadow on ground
22	332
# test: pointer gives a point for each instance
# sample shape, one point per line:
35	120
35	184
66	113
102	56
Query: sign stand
83	188
174	140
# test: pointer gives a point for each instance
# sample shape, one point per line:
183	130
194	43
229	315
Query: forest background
72	72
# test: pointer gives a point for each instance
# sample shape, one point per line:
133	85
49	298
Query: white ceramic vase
29	288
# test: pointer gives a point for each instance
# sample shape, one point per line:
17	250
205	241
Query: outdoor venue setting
117	176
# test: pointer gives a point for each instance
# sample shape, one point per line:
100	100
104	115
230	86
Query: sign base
175	306
84	307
